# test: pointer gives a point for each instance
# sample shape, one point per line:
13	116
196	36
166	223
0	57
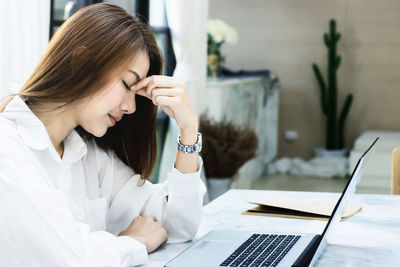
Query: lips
114	119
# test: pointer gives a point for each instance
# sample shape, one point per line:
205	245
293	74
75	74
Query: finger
166	92
157	81
158	78
159	91
156	91
142	92
168	101
150	219
168	88
138	218
142	83
147	90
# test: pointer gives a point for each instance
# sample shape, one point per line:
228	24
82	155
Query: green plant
226	147
329	92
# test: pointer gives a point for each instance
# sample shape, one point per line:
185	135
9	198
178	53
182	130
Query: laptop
240	248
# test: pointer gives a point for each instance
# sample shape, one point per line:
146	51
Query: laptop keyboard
262	250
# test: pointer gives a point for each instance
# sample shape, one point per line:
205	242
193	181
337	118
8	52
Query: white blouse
68	211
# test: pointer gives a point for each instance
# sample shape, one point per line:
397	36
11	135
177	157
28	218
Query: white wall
286	37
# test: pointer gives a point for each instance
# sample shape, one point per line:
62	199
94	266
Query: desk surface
370	238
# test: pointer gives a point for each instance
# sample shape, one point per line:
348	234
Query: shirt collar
34	133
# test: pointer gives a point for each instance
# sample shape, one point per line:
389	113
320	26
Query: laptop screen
341	204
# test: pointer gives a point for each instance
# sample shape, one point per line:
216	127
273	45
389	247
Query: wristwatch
190	149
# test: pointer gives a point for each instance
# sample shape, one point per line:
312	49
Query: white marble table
370	238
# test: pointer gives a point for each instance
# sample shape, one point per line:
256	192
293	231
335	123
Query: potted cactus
329	94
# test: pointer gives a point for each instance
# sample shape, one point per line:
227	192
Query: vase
213	65
218	186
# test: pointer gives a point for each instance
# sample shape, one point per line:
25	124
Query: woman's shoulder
13	151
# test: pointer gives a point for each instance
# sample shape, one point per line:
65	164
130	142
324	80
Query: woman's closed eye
126	86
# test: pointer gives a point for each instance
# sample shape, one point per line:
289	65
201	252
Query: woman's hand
170	94
147	231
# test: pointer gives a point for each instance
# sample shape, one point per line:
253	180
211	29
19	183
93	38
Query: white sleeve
181	214
37	227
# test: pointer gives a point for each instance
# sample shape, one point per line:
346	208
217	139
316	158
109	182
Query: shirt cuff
110	250
132	252
182	184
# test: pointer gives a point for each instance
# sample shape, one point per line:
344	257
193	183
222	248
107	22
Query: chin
97	131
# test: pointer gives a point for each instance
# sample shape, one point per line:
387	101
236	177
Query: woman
78	142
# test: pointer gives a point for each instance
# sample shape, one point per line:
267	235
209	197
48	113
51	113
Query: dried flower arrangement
226	147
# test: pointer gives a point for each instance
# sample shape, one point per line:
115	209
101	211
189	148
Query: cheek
113	101
106	104
94	120
97	126
109	99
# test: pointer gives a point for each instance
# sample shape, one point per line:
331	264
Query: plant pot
321	152
218	186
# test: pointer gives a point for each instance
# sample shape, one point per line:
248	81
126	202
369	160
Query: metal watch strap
190	149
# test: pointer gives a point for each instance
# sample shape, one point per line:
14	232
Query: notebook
299	209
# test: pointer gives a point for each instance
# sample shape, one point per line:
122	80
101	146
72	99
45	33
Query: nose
129	105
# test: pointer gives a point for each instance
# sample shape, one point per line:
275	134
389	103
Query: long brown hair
95	42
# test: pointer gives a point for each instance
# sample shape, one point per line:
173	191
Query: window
153	12
60	10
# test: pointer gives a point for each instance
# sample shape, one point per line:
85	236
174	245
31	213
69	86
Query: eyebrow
137	76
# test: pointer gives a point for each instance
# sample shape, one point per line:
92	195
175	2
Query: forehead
140	64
